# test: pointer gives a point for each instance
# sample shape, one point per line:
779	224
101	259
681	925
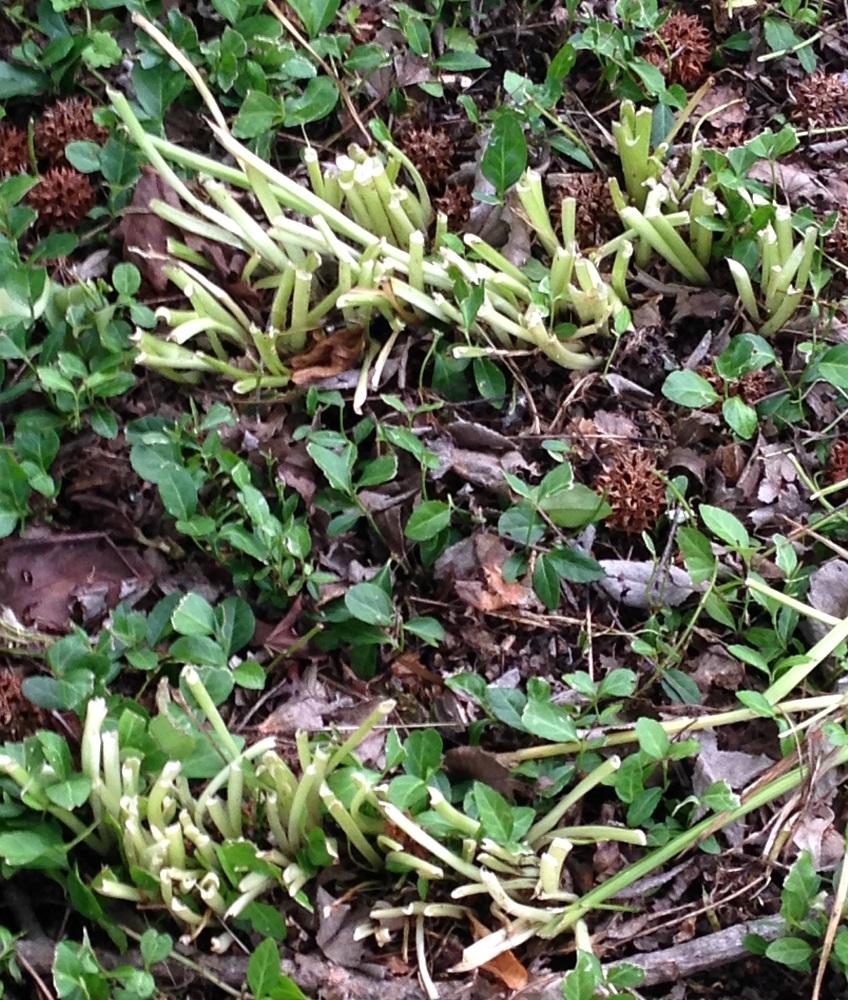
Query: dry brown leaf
327	357
283	634
408	666
797	183
475	565
478	764
828	593
729	105
816	832
505	966
637	584
716	668
55	579
145	234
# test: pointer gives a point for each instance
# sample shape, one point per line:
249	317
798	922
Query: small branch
313	973
676	964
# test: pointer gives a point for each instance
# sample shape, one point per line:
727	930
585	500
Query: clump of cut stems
176	839
784	273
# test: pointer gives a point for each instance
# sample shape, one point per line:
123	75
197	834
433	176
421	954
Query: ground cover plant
422	537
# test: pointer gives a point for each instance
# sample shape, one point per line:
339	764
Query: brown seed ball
14	154
821	100
633	490
681	49
62	198
66	121
431	151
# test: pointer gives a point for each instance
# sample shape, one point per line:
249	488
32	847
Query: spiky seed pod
62	198
751	387
14	154
633	490
754	386
821	100
837	462
595	217
19	717
431	150
66	121
456	203
681	48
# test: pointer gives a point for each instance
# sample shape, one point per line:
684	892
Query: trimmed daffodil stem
207	706
674	727
633	873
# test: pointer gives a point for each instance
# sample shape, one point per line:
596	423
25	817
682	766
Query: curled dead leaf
328	356
50	581
505	966
145	234
641	585
475	565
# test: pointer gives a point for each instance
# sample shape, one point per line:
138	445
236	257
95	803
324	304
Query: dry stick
328	69
675	964
793	677
185	65
832	924
596	897
599	740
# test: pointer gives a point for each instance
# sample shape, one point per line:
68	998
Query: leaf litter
492	606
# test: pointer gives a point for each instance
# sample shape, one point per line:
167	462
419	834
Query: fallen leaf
730	460
483	468
729	105
297	470
282	636
478	764
738	769
505	966
467	434
816	832
828	592
145	235
304	704
408	666
699	302
639	584
53	580
337	923
328	356
797	183
688	459
475	566
779	471
716	668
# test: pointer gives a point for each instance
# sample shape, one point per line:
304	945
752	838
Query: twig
679	962
313	973
328	69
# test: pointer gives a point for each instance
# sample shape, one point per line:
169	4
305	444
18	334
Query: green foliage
556	502
179	629
805	914
534	712
10	970
744	355
265	977
213	495
588	981
79	975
